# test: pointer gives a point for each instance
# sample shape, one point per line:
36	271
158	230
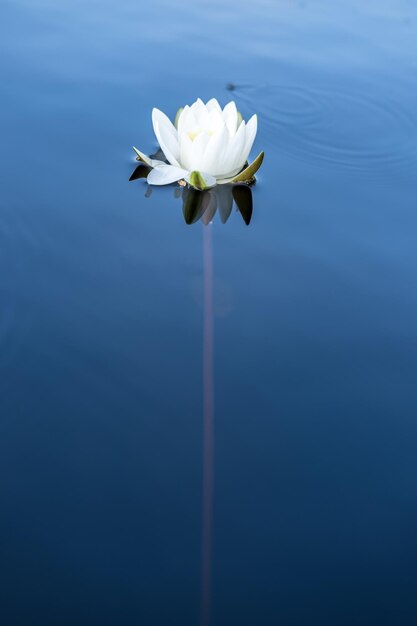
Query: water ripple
345	129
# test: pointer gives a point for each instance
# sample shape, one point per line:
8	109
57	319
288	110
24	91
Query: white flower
205	147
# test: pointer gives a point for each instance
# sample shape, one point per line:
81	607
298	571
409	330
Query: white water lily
206	145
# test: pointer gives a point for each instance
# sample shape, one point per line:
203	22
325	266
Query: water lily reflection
203	205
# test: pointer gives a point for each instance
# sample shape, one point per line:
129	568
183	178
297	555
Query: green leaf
249	172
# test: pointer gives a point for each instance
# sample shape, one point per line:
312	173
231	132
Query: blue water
208	423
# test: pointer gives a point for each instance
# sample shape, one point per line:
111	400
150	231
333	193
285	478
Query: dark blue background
101	318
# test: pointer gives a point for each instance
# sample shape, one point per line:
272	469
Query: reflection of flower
202	205
205	146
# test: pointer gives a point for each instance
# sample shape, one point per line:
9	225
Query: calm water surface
208	423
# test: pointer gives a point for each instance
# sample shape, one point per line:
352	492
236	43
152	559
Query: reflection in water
203	205
208	428
141	171
196	206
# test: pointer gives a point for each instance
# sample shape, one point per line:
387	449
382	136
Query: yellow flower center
192	134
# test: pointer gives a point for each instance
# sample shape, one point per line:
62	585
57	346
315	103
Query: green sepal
197	181
249	172
142	157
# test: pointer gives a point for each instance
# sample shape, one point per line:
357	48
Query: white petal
213	105
246	174
167	136
187	121
230	117
165	174
198	151
251	128
186	151
200	113
164	122
235	156
215	120
177	116
182	120
225	181
240	151
215	153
